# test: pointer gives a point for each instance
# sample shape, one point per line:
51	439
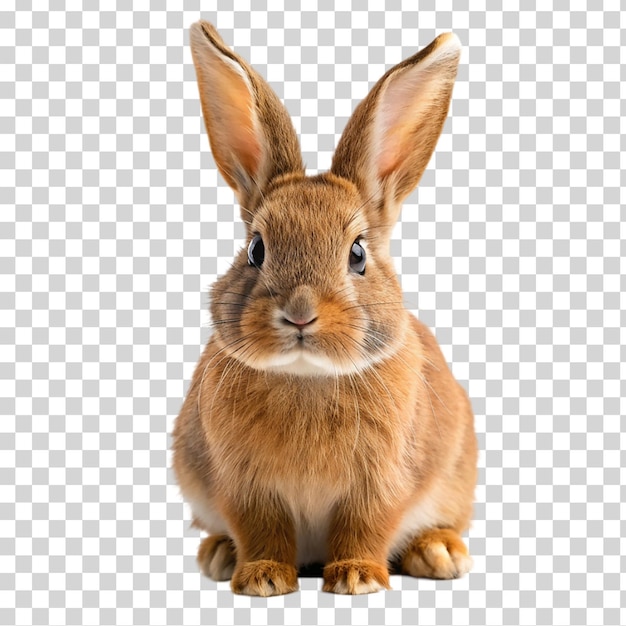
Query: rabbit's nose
298	322
300	308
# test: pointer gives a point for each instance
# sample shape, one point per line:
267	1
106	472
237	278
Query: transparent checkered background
114	222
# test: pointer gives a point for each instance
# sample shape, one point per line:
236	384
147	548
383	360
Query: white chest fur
312	508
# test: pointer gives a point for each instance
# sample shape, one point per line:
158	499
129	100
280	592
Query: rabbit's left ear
251	134
391	135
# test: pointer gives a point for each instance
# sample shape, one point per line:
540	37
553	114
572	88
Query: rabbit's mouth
306	348
303	351
303	356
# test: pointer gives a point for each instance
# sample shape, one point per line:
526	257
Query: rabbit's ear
251	135
391	136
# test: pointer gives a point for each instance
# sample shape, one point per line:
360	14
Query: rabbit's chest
312	453
293	433
312	445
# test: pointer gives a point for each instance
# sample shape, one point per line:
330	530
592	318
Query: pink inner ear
393	146
401	110
413	105
244	140
237	119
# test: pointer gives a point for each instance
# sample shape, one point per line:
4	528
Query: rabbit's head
314	292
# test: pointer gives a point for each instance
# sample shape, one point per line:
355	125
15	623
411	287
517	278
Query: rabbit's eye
256	251
357	258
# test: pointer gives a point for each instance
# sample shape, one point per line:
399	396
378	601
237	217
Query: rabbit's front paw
355	576
437	553
264	578
216	557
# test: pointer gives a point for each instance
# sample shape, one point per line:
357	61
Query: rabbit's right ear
251	134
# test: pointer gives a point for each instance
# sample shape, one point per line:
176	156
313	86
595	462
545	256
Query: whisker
420	375
240	304
211	360
356	211
378	226
432	408
367	330
340	291
370	370
368	304
242	295
233	363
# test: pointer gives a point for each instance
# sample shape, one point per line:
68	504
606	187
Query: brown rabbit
322	424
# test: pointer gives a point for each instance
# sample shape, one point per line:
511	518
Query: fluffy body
322	423
314	443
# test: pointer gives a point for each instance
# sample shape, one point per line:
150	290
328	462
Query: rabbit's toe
216	557
437	553
264	578
355	576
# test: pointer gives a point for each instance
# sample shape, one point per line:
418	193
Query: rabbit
322	424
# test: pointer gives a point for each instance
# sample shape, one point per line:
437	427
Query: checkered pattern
114	221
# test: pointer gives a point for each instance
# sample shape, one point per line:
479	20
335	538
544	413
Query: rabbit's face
315	292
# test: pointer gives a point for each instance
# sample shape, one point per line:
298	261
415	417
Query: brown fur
351	575
371	455
265	578
216	557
